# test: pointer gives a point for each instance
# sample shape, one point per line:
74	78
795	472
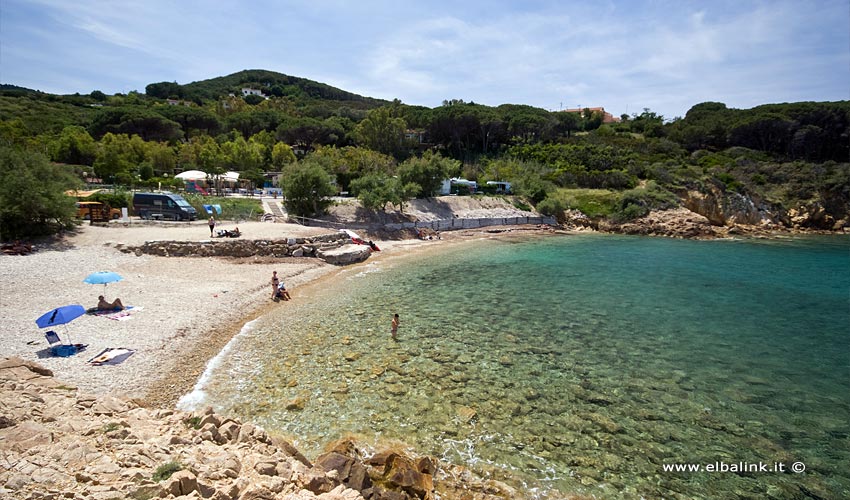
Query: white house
247	91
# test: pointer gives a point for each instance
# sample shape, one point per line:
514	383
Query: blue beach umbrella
102	278
60	316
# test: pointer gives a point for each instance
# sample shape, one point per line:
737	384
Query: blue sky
623	55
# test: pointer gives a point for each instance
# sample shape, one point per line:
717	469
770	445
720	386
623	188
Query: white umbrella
192	175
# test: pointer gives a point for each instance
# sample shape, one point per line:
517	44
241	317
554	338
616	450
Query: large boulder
346	254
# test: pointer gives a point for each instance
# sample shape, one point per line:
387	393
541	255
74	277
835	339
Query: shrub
116	199
165	471
630	212
591	202
636	203
111	426
552	205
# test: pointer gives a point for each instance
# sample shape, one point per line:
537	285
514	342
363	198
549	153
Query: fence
436	225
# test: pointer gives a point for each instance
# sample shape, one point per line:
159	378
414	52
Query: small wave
192	400
370	268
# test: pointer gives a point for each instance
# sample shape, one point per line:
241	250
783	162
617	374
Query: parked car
163	206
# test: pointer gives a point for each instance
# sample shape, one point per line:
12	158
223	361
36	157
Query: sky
665	55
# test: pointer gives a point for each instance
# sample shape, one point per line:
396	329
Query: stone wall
334	248
458	223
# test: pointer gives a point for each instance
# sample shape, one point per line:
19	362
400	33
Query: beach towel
111	356
65	350
121	315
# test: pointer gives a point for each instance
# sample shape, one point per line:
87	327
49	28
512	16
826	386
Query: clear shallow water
574	364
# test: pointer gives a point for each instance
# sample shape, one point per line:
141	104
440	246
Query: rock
229	430
334	461
266	468
358	478
466	414
181	482
13	362
352	355
25	435
401	473
316	481
296	403
346	254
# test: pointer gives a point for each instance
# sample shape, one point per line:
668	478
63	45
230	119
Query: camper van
163	206
500	187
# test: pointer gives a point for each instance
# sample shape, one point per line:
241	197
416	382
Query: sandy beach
185	309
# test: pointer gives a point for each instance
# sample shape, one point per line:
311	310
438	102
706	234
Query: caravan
456	185
499	187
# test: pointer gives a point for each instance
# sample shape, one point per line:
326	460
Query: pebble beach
184	309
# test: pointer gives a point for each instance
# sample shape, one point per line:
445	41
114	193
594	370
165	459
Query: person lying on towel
103	305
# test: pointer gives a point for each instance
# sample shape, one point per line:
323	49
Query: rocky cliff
58	443
729	208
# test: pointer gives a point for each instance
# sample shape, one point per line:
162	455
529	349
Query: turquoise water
574	364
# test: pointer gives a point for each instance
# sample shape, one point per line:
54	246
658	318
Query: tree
305	133
243	155
428	172
161	158
191	119
164	90
32	194
113	157
74	146
375	190
307	188
254	176
135	120
568	123
254	99
351	162
381	132
145	171
282	155
212	160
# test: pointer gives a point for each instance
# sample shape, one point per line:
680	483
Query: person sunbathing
103	305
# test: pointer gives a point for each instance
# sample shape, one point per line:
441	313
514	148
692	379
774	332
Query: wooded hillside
780	156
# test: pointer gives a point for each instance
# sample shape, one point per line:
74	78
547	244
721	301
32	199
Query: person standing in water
394	327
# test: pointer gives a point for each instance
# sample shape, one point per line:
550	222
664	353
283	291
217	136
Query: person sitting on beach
103	305
282	292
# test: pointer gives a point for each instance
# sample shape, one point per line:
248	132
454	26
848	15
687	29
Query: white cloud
663	54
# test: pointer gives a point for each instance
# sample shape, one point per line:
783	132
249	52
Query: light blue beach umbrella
102	278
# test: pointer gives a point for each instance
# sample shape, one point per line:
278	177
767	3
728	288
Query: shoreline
188	308
179	381
166	391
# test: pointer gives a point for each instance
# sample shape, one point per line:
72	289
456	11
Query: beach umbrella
102	278
60	316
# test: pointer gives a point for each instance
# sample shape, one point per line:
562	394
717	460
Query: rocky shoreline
684	223
59	442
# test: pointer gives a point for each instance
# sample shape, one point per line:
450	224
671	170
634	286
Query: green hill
269	82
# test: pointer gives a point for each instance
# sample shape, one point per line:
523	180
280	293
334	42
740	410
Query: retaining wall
458	223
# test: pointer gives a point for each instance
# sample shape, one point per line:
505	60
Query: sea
606	366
